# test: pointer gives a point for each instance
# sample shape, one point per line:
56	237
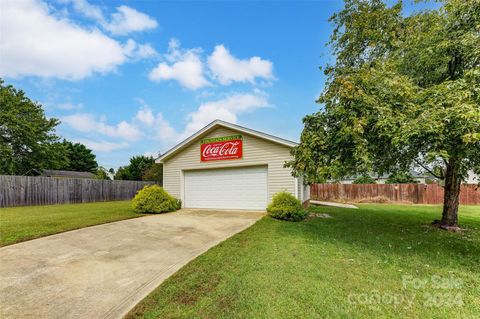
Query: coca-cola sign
221	148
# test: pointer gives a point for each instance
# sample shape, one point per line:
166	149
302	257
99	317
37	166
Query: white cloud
36	41
151	154
185	66
103	146
226	68
138	51
124	130
69	106
159	127
145	116
145	51
87	9
85	122
122	22
80	122
127	20
164	131
188	67
226	109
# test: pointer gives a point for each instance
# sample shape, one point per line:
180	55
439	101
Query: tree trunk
452	196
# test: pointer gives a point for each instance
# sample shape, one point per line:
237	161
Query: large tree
27	137
80	158
154	173
404	92
102	173
135	170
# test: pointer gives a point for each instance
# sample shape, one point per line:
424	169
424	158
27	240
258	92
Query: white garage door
232	188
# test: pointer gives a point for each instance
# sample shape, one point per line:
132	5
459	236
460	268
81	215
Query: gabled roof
220	123
60	173
414	173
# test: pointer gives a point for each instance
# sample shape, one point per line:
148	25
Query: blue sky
135	77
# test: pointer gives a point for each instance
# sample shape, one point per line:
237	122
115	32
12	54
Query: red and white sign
221	148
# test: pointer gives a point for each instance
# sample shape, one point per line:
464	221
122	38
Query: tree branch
428	170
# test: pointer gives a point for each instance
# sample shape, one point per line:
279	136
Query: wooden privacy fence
28	190
402	193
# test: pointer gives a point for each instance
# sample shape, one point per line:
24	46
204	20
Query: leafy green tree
404	92
27	137
401	178
80	158
136	169
101	173
364	179
154	173
122	173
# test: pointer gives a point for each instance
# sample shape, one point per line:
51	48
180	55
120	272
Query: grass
23	223
380	261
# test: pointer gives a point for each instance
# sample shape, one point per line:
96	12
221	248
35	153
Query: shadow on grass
401	232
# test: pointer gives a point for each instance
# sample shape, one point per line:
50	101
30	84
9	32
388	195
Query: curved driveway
103	271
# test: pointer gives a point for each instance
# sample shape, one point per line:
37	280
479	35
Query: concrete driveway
103	271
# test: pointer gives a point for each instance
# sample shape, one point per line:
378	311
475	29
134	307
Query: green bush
364	179
287	207
401	178
154	199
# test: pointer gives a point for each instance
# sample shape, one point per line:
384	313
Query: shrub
375	199
154	199
401	178
364	179
285	206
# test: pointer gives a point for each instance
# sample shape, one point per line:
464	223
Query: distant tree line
141	168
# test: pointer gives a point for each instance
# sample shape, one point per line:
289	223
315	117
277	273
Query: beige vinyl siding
256	151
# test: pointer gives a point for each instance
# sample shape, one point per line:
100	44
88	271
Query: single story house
472	178
66	174
228	166
421	178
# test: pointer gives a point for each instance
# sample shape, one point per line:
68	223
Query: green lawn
24	223
381	261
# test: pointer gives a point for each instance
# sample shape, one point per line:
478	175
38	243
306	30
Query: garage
233	188
228	166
